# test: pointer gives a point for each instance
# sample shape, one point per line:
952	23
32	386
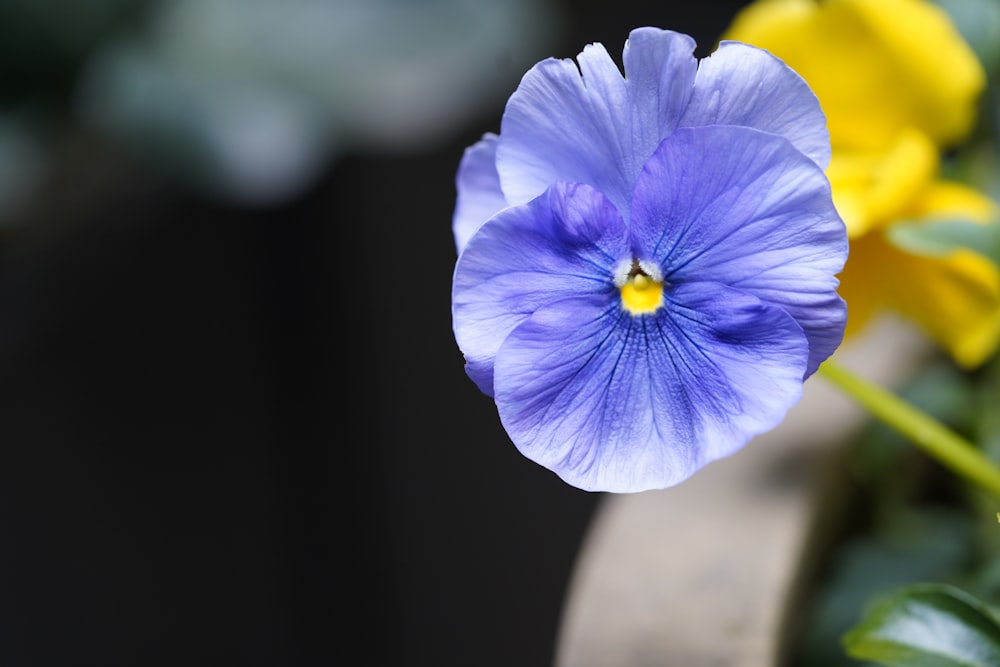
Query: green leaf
927	625
940	237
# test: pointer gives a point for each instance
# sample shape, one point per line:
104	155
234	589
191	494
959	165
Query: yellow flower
877	66
898	84
954	298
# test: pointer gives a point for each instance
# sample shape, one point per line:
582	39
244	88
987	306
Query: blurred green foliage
910	520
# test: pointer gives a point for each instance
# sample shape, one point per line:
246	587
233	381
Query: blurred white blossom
250	99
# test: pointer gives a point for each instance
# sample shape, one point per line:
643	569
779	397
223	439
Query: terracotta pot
710	572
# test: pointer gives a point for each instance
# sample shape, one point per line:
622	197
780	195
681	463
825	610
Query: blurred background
235	426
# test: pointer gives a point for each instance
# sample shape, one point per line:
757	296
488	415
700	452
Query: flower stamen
641	287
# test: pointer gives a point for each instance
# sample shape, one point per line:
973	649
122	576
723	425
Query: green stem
932	436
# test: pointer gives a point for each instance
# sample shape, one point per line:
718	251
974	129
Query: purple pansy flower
647	263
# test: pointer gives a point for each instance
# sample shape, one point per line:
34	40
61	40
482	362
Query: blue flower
647	263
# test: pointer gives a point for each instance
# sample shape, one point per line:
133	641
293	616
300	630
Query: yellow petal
862	283
950	200
954	298
877	66
872	188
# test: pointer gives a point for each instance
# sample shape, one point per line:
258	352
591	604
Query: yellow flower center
641	293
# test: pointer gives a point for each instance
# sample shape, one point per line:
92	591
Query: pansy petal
479	193
747	209
561	244
589	123
660	72
619	403
746	86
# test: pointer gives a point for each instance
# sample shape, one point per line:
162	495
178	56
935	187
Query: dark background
243	436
